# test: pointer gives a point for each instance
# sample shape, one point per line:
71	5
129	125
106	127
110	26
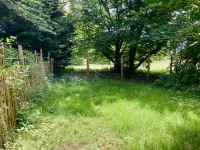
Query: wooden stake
36	57
48	57
41	54
122	67
148	67
88	68
52	70
1	56
49	64
21	56
171	61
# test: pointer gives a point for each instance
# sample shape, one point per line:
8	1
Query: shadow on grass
178	112
70	74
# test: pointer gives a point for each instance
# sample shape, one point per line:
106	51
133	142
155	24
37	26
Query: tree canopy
37	25
112	28
126	27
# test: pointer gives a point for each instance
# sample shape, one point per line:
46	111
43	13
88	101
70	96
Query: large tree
134	28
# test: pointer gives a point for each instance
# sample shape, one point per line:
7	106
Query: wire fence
121	66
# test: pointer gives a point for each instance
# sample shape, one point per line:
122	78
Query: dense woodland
72	29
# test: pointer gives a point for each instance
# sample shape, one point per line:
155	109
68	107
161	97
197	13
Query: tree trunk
132	53
117	64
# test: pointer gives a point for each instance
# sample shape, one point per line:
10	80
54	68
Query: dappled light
138	116
100	75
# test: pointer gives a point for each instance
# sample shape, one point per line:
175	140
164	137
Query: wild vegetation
87	115
37	25
70	112
17	81
109	29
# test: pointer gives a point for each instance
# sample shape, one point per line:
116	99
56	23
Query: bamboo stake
9	94
1	133
21	56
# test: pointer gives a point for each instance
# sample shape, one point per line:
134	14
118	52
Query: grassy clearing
158	66
101	114
74	72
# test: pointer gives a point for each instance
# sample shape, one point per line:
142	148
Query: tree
37	25
132	28
186	58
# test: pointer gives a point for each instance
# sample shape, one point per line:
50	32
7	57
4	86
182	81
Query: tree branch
157	49
108	56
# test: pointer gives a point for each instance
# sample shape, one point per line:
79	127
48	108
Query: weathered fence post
52	67
36	57
88	67
21	56
148	67
171	63
1	56
49	64
1	94
41	54
122	67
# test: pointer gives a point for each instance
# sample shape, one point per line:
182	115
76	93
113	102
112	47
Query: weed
101	114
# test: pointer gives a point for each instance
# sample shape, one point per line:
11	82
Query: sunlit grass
101	114
157	67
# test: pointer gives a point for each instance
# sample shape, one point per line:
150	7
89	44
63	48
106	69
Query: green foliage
131	28
137	116
37	25
30	111
185	62
12	57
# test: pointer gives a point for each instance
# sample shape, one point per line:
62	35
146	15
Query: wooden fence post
88	68
1	56
21	56
48	58
36	61
170	67
49	64
1	93
148	67
52	67
41	54
122	67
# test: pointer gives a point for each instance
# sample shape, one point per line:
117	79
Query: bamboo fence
14	87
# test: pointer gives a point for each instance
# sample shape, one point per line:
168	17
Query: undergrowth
102	114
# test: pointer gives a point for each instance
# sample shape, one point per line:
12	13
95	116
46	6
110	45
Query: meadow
109	115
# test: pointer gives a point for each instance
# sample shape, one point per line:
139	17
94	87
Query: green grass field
111	115
154	66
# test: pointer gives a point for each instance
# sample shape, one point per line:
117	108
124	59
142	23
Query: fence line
15	84
122	68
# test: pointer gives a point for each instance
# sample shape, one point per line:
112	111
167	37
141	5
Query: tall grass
101	114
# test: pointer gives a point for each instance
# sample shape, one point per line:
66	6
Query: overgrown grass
102	114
